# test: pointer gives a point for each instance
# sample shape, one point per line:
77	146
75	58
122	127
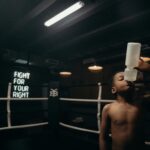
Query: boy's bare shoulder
107	107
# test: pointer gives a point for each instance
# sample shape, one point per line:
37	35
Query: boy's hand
143	66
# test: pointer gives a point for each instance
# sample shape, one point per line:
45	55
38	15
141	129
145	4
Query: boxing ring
8	100
97	101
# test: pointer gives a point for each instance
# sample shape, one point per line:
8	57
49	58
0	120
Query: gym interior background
98	34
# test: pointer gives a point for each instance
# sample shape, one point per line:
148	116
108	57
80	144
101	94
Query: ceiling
100	30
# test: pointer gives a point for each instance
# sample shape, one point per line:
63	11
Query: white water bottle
132	60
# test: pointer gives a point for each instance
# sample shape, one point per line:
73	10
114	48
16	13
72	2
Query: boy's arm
104	129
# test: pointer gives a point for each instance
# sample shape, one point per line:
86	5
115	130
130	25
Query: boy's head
121	86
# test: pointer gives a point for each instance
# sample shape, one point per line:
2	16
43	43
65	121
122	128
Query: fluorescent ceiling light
64	13
21	61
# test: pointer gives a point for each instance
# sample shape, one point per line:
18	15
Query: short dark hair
113	77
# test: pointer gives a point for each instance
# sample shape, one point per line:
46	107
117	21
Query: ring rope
16	99
85	100
24	126
8	99
99	105
78	128
147	143
8	106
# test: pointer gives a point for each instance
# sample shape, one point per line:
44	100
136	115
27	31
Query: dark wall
83	83
39	76
25	112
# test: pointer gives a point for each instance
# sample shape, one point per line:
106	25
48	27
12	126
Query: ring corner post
53	111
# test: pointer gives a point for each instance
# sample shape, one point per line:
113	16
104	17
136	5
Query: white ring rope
85	100
8	105
99	91
24	126
8	99
30	99
78	128
99	105
147	143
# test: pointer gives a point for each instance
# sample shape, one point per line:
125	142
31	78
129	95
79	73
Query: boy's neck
124	99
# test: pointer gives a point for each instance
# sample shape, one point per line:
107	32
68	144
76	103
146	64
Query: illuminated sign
20	90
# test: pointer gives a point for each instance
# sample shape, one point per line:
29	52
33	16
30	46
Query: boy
123	117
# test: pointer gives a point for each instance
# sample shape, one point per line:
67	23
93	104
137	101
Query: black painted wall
25	112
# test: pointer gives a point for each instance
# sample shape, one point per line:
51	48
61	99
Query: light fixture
146	59
64	13
65	73
21	61
95	68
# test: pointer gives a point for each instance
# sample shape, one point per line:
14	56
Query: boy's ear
113	90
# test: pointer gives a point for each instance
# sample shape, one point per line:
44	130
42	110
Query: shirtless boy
123	118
